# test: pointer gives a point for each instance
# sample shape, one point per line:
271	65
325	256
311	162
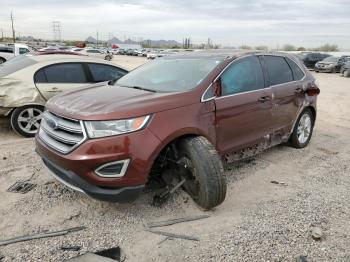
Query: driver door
243	110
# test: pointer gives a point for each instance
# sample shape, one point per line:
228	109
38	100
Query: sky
228	22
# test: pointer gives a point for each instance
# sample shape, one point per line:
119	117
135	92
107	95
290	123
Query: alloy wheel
29	120
304	128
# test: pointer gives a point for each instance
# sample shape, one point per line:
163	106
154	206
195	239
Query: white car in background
28	81
9	51
97	53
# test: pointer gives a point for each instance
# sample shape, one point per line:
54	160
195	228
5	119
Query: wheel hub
29	120
304	128
187	171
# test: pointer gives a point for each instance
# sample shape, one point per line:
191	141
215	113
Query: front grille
60	133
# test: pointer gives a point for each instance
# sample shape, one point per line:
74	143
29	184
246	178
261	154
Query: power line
56	26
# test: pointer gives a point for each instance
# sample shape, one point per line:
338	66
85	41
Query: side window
242	76
298	74
40	77
278	70
93	51
65	73
23	50
102	73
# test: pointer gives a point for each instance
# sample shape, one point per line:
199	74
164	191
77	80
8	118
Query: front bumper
78	168
324	69
73	181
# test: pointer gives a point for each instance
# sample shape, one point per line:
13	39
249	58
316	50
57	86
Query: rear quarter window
278	70
298	74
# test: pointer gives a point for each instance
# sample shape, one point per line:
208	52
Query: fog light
113	169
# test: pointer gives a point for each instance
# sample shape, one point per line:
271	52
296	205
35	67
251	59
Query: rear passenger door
284	77
56	78
102	72
243	111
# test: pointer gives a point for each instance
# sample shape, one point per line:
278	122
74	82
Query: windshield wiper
141	88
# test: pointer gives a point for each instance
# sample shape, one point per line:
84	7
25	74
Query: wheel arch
174	139
313	111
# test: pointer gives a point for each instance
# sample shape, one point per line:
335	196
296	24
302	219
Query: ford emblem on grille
52	123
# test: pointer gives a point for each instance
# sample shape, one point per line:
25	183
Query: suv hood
105	102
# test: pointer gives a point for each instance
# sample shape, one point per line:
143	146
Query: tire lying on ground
206	182
26	120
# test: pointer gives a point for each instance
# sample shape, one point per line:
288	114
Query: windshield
15	64
331	59
169	75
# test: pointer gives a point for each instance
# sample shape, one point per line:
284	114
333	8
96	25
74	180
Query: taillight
312	89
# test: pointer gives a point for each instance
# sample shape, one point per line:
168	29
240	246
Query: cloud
252	22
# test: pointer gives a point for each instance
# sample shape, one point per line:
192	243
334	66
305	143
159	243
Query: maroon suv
179	118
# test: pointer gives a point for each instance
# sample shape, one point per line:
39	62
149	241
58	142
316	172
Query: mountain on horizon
129	41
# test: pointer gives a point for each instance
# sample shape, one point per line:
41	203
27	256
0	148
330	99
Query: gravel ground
259	220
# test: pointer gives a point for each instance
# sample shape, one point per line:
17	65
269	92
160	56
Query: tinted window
23	50
40	77
93	51
6	50
65	73
102	73
278	69
297	72
242	76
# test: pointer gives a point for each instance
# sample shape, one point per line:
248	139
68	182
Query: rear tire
26	120
207	183
303	129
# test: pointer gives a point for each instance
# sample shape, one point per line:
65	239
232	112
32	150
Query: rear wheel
302	132
26	120
204	173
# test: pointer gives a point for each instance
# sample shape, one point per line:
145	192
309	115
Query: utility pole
2	34
13	30
56	26
97	39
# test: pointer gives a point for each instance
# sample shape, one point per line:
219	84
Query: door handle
264	99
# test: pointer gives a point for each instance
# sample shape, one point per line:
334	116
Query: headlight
115	127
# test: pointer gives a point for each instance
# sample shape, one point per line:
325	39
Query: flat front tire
205	181
26	120
303	129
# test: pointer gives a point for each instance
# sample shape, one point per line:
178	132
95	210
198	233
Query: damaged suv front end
103	140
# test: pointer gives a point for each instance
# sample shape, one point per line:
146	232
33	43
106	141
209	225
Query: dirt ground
259	220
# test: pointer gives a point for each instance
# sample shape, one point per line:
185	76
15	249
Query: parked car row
9	51
326	63
149	53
